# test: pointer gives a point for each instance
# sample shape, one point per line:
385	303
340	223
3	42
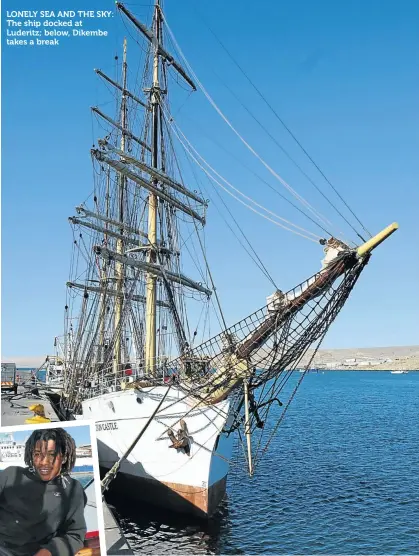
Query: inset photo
50	501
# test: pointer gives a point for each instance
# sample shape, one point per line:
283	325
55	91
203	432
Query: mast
102	315
119	269
150	336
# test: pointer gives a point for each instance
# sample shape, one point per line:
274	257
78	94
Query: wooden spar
151	309
336	269
162	177
105	231
264	330
108	291
121	128
154	39
151	268
372	243
122	168
118	86
247	426
121	225
237	363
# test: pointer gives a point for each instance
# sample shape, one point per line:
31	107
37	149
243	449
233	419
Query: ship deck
15	411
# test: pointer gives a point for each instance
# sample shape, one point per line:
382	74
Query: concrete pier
15	410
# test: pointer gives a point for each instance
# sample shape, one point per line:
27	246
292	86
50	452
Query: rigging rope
290	399
261	265
256	259
247	145
292	160
275	190
238	191
296	140
164	119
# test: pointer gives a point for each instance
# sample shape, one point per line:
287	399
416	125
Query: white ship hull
153	471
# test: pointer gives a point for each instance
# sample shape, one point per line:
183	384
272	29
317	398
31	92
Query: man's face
46	462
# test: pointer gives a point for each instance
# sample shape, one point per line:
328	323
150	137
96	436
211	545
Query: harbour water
340	477
83	478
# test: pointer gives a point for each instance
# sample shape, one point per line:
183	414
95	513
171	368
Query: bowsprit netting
274	338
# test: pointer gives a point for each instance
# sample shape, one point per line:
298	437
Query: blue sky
342	75
80	434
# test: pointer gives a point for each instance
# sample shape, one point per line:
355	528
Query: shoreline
392	358
361	369
388	358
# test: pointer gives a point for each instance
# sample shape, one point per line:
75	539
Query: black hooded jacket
36	514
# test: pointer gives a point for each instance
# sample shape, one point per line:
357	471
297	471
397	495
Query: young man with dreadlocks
41	506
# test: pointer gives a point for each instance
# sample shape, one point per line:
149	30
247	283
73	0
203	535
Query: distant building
373	363
84	451
332	365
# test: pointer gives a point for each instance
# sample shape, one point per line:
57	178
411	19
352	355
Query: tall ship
170	390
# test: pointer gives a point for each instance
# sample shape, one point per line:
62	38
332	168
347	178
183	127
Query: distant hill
376	358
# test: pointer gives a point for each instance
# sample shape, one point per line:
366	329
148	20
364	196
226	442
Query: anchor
181	440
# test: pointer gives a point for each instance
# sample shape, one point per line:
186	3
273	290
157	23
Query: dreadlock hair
64	445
